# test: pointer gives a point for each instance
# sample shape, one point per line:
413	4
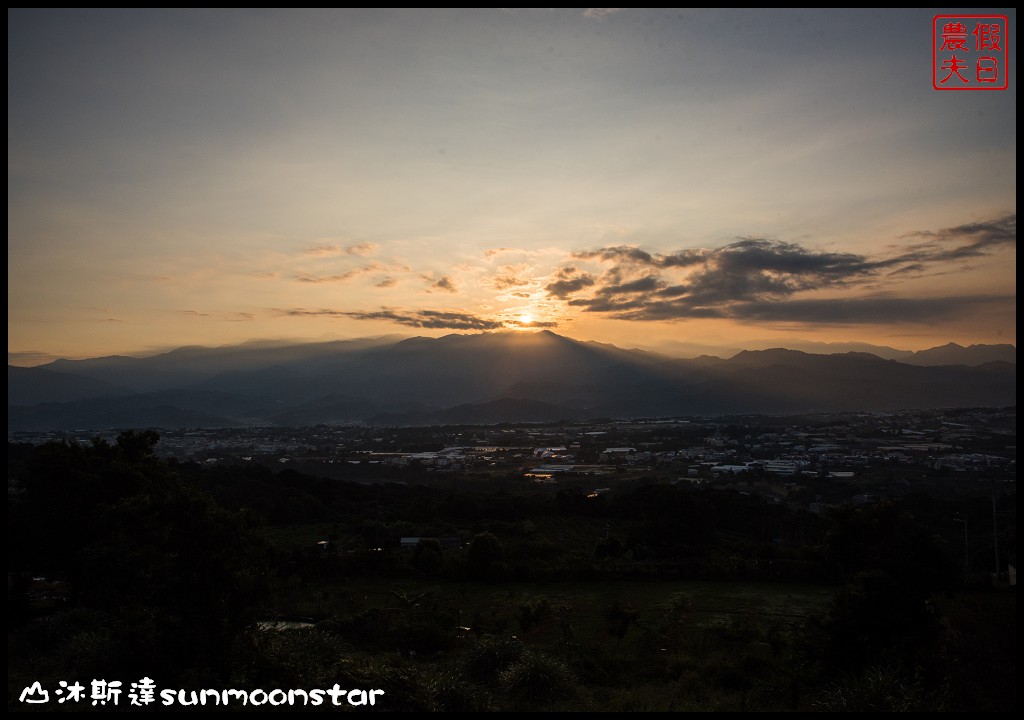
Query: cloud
743	255
510	276
341	277
387	282
870	309
569	280
834	311
963	241
442	283
761	279
643	285
621	253
322	250
432	319
307	278
361	249
326	250
992	232
912	269
230	316
749	269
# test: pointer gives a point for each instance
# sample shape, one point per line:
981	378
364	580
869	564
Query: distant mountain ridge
485	378
949	354
953	354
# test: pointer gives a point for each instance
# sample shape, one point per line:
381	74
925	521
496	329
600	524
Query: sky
638	177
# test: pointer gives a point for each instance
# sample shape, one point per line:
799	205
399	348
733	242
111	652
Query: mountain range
486	378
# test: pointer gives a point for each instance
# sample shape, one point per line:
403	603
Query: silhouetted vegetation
651	596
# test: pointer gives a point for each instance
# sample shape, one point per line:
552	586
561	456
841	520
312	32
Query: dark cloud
744	255
673	291
684	258
870	309
972	239
643	285
963	242
433	319
858	310
635	256
752	255
749	269
621	253
569	280
912	269
760	279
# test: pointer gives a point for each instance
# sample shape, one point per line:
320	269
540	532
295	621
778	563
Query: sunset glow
642	177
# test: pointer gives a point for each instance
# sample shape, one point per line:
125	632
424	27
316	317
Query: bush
490	657
536	678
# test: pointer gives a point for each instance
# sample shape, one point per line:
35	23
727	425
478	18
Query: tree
428	557
484	556
135	541
137	445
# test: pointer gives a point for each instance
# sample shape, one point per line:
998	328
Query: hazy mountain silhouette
194	364
953	354
29	386
488	377
682	349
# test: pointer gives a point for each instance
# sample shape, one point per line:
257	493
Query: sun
525	318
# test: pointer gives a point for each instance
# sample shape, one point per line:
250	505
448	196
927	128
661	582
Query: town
811	462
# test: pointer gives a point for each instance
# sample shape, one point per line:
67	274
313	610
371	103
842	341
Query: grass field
710	602
624	645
